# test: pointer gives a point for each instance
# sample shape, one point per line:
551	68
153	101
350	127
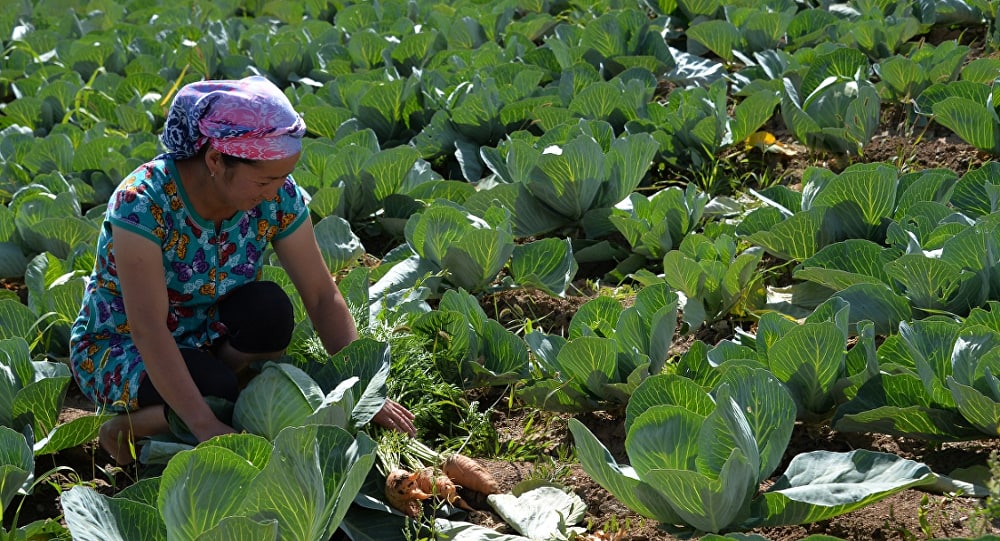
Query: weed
420	529
110	473
415	379
531	438
922	516
565	454
906	153
714	178
624	293
61	478
520	317
481	438
549	470
731	171
47	478
615	528
763	179
417	382
535	438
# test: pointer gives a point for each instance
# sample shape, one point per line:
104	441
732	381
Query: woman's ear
213	161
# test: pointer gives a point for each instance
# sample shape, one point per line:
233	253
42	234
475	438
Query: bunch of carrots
406	490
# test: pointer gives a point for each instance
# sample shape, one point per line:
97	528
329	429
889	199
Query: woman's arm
139	264
300	257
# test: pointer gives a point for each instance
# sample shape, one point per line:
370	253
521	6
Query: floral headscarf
248	118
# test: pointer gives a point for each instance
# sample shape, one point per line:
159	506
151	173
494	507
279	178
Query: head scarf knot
248	118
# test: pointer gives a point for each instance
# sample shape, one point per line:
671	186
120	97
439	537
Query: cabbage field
668	269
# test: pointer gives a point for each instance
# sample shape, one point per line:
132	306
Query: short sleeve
293	209
133	206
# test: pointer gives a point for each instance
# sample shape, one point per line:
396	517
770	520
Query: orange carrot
468	473
403	493
425	480
441	487
446	489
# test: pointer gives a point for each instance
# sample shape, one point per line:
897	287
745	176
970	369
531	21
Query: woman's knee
259	316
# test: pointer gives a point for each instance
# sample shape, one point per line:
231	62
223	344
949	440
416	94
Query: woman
174	309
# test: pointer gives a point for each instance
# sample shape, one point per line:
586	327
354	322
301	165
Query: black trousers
258	317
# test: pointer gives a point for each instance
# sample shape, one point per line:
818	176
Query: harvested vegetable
469	474
425	480
441	487
445	489
403	492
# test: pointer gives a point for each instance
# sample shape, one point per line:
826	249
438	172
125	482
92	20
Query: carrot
425	480
445	488
442	487
403	493
468	473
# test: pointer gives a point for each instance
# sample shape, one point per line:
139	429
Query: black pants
259	319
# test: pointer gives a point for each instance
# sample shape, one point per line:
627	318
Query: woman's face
247	185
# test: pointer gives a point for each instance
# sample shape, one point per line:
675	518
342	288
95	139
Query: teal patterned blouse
201	264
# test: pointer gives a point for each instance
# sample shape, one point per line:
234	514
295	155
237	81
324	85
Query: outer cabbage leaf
974	121
338	244
92	516
474	261
313	476
823	484
878	304
647	327
194	493
846	263
16	320
655	225
546	264
224	490
282	395
809	358
541	512
708	504
569	171
835	108
977	408
702	455
620	480
936	285
468	250
17	464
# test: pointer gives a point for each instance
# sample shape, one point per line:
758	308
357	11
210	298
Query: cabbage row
491	146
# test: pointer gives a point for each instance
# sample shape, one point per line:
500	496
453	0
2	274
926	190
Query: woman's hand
394	416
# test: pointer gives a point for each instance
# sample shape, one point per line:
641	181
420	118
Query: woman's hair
228	159
231	160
